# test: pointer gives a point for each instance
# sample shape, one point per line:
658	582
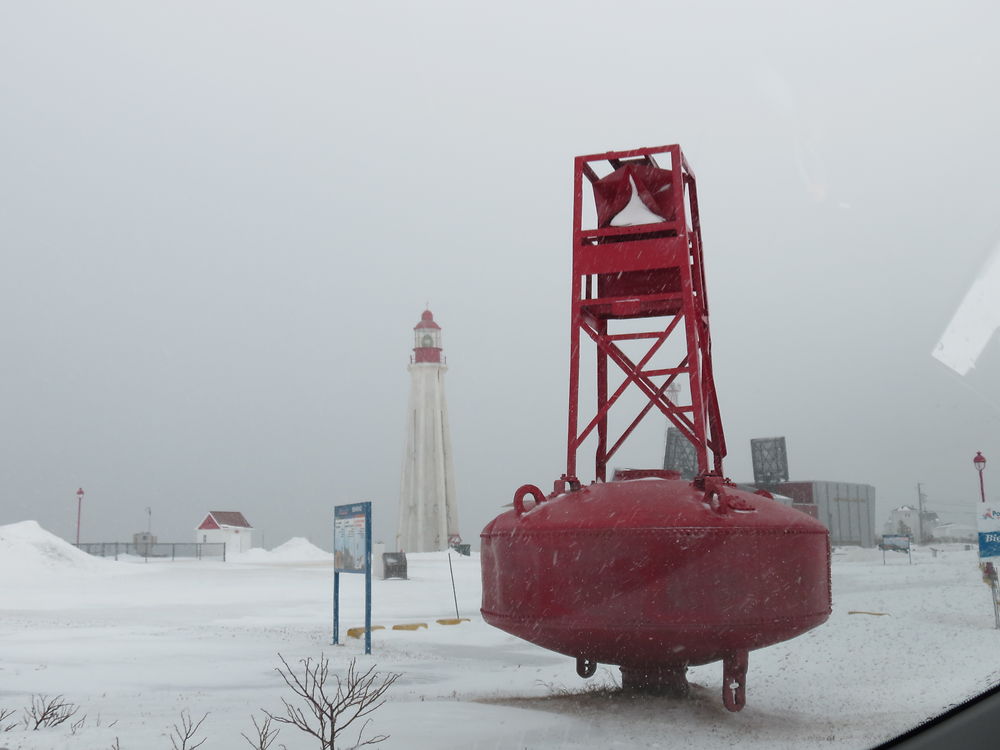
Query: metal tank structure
649	571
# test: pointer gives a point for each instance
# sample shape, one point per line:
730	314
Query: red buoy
650	572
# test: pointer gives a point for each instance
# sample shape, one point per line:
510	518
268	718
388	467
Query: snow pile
296	549
299	548
31	550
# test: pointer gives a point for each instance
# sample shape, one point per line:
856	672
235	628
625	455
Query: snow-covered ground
135	644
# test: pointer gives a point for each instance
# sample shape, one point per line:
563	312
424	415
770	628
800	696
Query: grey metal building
845	508
770	460
679	455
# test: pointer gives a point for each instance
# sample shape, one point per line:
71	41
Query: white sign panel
351	537
896	542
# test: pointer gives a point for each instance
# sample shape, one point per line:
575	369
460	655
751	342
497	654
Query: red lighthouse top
427	339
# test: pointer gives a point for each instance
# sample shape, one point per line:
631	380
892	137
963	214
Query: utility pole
920	514
79	510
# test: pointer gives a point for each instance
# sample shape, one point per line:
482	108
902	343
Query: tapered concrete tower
428	513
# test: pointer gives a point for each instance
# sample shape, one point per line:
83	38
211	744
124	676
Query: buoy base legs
734	680
660	679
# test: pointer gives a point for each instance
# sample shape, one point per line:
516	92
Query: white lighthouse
428	512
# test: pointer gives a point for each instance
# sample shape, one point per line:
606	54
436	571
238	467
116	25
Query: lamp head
979	462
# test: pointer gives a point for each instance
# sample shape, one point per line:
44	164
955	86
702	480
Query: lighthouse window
427	340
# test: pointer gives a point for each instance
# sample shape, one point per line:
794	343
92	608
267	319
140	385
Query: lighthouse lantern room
427	339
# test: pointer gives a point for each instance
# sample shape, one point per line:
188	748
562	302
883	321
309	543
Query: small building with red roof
229	527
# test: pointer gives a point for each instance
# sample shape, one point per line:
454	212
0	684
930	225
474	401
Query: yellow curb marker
358	632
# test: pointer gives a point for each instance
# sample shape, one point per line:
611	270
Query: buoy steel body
649	571
648	574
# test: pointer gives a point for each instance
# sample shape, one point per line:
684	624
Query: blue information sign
988	521
896	543
352	553
351	533
989	544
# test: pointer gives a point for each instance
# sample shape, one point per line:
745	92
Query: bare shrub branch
328	712
370	741
46	711
263	734
6	725
182	738
77	725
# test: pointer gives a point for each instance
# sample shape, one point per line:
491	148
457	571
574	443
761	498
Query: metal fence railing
158	550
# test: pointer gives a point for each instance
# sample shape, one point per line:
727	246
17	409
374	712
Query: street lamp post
988	568
980	463
79	508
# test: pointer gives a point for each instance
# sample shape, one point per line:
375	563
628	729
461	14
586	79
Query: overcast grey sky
219	222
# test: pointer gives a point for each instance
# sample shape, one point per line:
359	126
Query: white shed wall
236	540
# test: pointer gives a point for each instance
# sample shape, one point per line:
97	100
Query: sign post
988	525
897	543
352	553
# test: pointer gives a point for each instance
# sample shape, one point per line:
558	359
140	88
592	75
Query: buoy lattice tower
643	263
428	511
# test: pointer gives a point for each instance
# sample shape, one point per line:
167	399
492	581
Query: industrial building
847	509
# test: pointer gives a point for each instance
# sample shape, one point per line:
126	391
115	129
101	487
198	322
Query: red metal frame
649	272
